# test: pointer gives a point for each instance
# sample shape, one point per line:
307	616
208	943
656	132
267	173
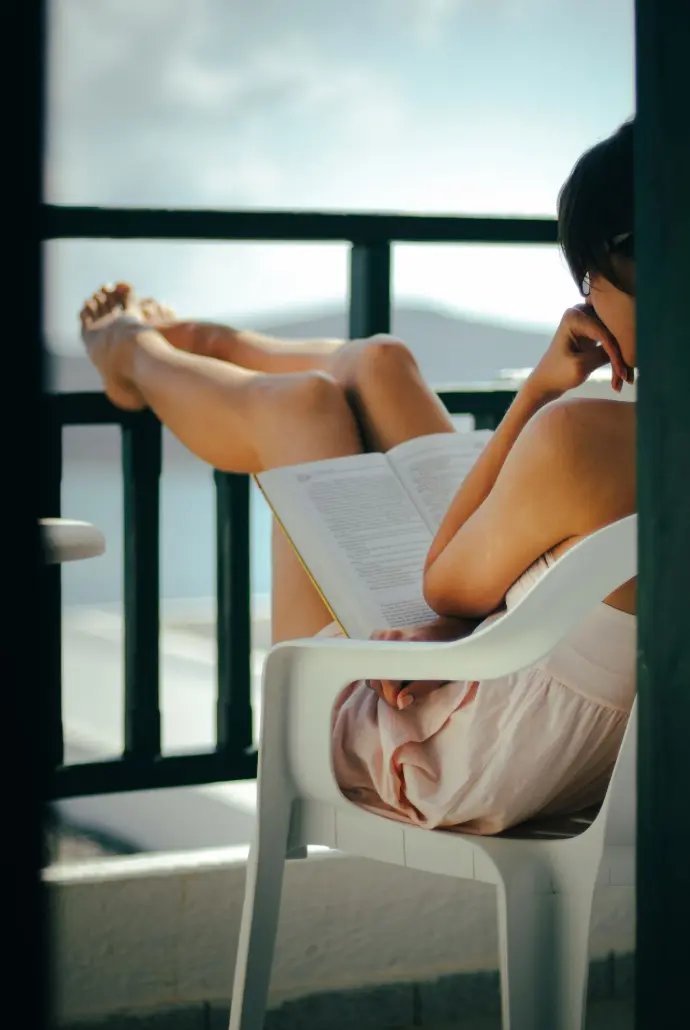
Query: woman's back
604	488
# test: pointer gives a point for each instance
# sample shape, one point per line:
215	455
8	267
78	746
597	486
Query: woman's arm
478	484
572	356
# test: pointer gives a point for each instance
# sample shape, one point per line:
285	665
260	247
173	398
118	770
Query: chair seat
554	827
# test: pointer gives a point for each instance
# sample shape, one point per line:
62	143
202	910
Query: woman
476	756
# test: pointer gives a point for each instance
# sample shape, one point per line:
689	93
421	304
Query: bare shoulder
586	415
595	440
588	424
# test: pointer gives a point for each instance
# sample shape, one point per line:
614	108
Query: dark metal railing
142	765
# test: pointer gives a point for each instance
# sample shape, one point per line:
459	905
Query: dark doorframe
663	265
25	990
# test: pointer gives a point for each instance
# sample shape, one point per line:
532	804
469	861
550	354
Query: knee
318	392
312	394
381	360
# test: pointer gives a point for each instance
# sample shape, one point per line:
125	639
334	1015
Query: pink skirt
480	757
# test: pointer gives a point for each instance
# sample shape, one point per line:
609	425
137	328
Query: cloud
154	111
309	105
431	21
428	19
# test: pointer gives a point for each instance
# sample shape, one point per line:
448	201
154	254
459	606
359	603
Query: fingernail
404	701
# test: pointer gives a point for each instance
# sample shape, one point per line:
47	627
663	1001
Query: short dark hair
595	208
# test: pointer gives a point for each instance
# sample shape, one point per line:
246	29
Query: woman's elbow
445	596
437	593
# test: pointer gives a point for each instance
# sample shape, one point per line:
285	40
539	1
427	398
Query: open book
362	525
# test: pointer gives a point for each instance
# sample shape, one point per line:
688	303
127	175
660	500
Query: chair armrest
302	680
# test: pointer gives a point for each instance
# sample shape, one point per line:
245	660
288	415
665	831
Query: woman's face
616	309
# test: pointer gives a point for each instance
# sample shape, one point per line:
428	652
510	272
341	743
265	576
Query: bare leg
396	405
256	352
230	417
384	387
296	606
390	399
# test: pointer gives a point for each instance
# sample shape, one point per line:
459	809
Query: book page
433	467
359	535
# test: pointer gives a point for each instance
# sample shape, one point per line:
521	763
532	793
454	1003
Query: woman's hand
400	694
581	345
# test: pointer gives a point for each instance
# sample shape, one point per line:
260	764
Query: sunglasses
620	243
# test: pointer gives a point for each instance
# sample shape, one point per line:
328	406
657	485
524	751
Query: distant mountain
449	349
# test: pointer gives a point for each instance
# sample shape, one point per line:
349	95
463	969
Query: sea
93	492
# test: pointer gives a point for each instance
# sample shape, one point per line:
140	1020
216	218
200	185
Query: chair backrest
619	810
582	577
599	564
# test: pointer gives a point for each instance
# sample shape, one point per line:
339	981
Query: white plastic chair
545	882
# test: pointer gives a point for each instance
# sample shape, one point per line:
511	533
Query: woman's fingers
403	694
376	686
388	634
387	690
589	326
390	691
593	356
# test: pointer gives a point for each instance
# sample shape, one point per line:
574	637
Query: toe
112	298
101	301
109	292
89	311
125	294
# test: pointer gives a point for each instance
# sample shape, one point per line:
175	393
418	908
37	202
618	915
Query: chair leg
259	919
544	957
573	922
525	938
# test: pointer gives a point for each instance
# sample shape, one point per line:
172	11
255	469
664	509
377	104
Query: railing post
141	466
233	625
51	586
370	289
492	418
487	420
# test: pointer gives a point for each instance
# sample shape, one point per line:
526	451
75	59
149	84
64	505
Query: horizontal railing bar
89	409
294	226
460	402
114	775
84	409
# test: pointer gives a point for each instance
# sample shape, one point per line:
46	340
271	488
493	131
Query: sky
434	106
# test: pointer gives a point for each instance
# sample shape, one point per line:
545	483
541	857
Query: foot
107	320
194	337
158	315
201	338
